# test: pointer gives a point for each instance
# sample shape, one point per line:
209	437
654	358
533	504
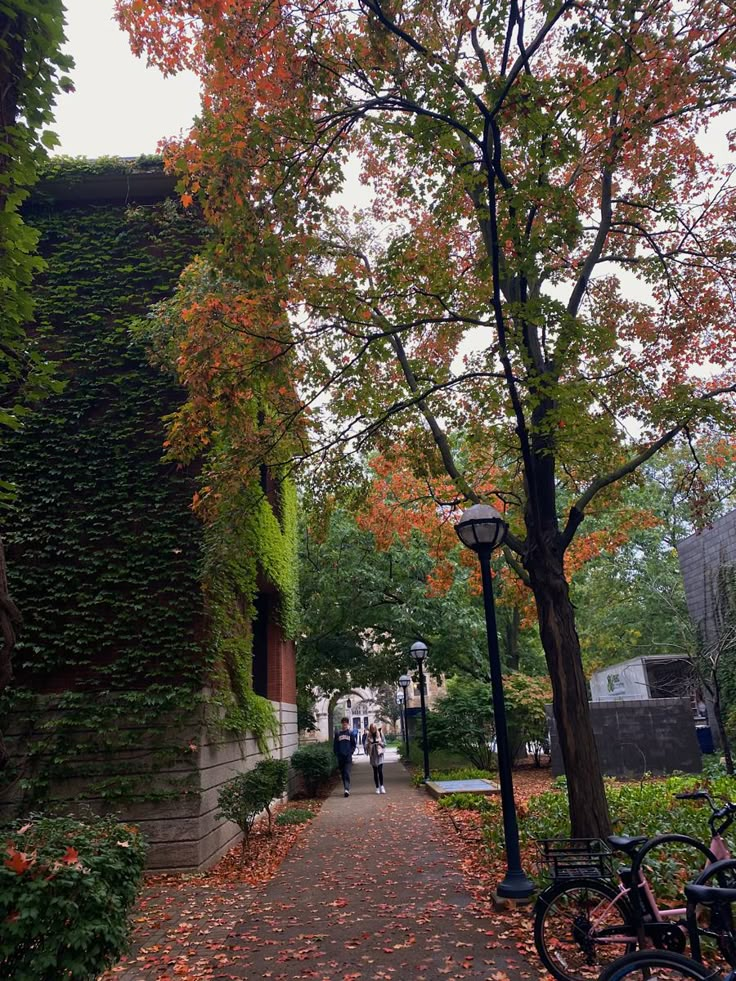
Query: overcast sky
120	107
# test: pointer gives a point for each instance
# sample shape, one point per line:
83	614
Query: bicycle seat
709	894
622	843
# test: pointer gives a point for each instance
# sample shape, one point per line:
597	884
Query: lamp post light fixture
405	681
482	529
419	652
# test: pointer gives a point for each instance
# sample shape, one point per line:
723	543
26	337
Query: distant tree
463	721
526	699
631	600
363	606
388	707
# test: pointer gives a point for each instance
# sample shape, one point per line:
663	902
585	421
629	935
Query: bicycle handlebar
725	811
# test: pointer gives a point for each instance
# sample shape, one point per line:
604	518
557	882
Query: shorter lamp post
419	652
482	529
405	681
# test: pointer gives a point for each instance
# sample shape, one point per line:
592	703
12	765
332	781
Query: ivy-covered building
156	658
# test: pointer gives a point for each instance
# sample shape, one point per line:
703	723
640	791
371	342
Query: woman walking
375	746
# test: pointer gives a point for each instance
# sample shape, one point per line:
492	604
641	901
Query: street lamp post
482	529
419	651
405	681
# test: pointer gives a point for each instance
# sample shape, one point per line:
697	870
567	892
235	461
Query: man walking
344	746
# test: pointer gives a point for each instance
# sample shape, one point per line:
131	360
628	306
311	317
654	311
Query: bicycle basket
574	858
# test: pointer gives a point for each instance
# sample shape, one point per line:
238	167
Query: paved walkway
370	891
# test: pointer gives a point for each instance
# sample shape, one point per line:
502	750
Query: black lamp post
419	651
405	681
482	528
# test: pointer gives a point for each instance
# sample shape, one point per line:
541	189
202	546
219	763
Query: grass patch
294	815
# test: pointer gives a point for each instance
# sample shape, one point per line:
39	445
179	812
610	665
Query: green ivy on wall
102	545
236	550
132	606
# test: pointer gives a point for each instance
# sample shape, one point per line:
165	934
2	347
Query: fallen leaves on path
177	907
389	890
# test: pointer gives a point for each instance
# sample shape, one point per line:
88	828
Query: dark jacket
344	744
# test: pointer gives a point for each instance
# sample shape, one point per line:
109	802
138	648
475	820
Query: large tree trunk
589	816
725	744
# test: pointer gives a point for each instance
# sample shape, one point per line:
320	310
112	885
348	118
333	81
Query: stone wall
181	826
636	737
700	557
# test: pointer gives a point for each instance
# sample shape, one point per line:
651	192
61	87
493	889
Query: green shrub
66	888
465	802
439	759
315	762
647	808
244	797
463	720
459	773
294	815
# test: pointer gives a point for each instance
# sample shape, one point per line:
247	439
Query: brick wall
281	675
636	737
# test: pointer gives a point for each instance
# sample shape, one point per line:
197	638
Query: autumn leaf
18	861
71	856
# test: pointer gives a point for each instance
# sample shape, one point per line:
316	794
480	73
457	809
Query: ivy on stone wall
102	545
218	424
236	550
132	605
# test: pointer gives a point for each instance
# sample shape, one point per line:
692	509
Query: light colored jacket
375	749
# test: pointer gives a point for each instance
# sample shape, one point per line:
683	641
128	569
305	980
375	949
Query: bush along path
372	889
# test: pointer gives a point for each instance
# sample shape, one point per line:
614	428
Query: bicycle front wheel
716	923
658	965
580	927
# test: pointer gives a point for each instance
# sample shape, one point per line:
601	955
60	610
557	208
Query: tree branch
577	511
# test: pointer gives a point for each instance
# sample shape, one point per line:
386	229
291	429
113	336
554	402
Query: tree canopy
544	252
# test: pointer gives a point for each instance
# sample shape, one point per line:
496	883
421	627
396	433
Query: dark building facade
122	696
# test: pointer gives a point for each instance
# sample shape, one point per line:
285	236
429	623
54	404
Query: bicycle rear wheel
580	927
657	965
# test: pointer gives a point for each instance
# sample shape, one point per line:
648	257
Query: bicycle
582	922
666	965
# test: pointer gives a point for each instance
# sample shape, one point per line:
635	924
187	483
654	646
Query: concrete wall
181	829
636	737
700	557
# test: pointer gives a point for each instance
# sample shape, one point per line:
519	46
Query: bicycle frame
640	894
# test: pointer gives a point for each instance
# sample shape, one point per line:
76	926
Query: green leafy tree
463	721
388	708
32	69
363	607
524	163
526	699
630	600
